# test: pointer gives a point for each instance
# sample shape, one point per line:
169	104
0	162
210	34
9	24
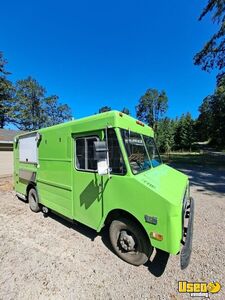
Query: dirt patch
49	258
6	184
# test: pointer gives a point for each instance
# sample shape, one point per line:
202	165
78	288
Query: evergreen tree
165	135
211	121
55	113
184	132
126	111
218	114
104	109
204	121
32	110
6	91
152	105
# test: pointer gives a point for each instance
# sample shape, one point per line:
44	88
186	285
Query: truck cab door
87	197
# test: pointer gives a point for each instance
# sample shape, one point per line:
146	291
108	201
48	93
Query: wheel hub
126	241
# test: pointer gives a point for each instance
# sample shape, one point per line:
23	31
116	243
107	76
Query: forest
26	105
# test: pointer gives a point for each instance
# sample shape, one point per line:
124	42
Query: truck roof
98	121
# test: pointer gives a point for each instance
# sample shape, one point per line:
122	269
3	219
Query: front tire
129	241
33	200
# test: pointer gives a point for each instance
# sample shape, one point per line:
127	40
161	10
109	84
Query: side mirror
101	155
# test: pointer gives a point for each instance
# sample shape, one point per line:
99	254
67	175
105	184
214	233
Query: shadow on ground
208	180
156	265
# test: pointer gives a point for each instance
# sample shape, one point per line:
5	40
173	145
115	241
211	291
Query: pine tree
32	110
104	109
211	121
6	91
151	107
186	131
126	111
165	135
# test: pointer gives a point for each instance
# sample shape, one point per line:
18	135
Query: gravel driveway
50	258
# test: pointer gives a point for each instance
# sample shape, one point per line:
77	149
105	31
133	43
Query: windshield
141	151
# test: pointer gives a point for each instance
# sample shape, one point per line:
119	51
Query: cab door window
116	162
85	154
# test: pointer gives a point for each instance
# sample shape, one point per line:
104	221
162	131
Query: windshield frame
143	137
160	162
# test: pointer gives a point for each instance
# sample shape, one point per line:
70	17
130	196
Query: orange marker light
156	236
140	123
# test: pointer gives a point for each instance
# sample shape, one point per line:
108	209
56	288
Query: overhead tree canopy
213	53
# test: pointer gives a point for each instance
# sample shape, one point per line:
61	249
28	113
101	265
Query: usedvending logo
199	289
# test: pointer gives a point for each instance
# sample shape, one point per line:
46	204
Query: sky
97	53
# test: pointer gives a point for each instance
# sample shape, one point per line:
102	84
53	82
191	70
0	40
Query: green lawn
194	158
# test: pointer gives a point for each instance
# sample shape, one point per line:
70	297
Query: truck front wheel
33	200
129	241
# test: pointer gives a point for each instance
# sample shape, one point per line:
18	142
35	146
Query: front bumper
185	254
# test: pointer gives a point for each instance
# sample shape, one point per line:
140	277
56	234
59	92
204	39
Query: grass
195	158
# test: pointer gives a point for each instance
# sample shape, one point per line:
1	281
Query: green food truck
105	170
